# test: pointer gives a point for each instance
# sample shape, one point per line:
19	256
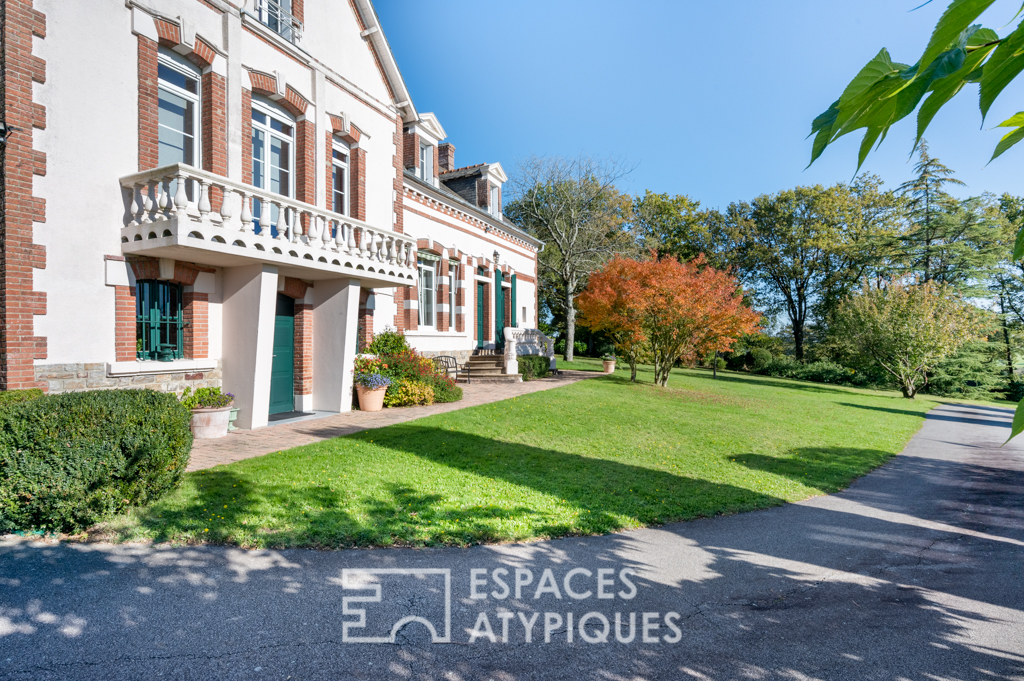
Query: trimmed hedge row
18	396
69	461
533	366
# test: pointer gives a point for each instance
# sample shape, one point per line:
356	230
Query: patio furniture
451	366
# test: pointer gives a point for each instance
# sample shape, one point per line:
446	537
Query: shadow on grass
826	469
933	416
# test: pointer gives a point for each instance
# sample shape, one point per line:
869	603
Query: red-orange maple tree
667	309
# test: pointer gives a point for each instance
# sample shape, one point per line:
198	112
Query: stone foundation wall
63	378
461	356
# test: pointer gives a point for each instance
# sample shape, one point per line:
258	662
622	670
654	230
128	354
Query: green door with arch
481	291
282	369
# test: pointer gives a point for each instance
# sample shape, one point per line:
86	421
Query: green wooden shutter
514	322
499	309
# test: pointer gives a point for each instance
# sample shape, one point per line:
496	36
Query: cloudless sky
708	99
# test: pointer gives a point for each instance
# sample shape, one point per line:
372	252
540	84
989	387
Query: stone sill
152	367
436	334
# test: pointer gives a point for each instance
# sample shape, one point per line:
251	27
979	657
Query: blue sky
712	100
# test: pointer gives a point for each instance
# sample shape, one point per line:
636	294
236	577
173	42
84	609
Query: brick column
149	105
124	330
365	319
303	362
215	130
357	183
460	298
411	150
246	136
443	318
195	314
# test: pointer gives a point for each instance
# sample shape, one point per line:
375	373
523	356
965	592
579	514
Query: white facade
245	255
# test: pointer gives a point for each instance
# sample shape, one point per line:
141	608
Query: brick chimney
445	157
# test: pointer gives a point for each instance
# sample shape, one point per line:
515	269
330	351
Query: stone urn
371	399
210	423
609	366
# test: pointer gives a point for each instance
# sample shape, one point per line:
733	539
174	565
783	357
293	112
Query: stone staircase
488	369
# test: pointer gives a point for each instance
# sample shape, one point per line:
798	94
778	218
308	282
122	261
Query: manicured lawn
593	457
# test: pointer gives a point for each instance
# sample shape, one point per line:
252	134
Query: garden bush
819	372
533	366
407	393
69	461
388	342
579	347
445	390
760	358
19	396
411	367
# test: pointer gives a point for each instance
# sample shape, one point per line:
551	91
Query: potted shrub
371	389
211	410
609	363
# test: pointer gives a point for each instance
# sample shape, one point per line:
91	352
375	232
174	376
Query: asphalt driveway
915	572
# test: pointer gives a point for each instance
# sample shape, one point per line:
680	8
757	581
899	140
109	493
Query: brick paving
245	444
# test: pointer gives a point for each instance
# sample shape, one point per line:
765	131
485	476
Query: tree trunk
798	339
570	325
714	366
909	389
1006	339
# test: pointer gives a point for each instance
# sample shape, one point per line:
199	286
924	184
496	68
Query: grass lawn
596	456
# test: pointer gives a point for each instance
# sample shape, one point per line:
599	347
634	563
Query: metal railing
278	19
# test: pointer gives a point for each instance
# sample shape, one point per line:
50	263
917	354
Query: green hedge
533	366
69	461
19	396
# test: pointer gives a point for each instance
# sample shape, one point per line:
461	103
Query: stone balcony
216	227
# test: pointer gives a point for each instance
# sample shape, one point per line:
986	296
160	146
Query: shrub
533	366
407	393
18	396
445	390
579	347
760	358
69	461
388	342
819	372
206	398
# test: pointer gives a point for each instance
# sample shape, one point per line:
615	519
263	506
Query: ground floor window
427	289
158	321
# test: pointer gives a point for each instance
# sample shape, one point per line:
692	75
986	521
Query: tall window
277	14
273	158
158	320
178	121
427	290
426	163
453	275
339	178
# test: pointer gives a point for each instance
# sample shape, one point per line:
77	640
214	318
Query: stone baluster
135	208
180	197
313	231
410	255
246	215
364	250
204	200
227	206
146	205
350	237
153	201
165	203
282	219
391	250
294	225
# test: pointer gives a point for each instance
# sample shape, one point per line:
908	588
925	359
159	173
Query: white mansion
235	193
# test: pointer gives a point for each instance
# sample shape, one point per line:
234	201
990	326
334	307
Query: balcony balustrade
304	240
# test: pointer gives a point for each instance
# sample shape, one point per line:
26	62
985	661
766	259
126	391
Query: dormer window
426	170
495	205
277	15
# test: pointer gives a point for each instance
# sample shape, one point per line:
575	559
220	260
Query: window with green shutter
158	321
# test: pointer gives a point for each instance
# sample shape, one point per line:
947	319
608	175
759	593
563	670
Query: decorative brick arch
266	85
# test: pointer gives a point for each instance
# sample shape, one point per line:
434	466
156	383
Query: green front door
282	370
499	310
480	293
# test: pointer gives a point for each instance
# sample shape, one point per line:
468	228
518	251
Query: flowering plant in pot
371	388
211	410
609	363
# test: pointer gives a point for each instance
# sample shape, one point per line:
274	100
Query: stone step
493	378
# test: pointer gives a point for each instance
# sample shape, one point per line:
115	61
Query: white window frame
495	201
338	145
282	117
431	266
426	163
453	272
175	63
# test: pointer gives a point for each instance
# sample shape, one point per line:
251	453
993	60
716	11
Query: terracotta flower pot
370	399
609	366
210	423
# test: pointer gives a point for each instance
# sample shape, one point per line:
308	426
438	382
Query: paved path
913	573
245	444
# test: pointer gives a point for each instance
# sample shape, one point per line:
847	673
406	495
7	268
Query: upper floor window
339	178
426	169
178	138
158	321
273	157
277	14
453	275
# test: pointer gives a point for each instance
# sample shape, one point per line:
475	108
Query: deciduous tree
907	329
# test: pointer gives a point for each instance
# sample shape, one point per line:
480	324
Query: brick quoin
460	297
303	362
246	136
149	103
442	296
124	328
305	166
299	12
20	24
365	319
357	183
214	124
411	150
195	314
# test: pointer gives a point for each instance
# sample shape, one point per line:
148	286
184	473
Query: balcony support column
335	328
250	304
